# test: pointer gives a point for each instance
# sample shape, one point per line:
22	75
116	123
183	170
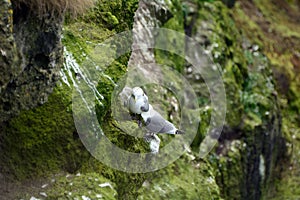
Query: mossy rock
82	186
186	178
252	107
82	39
44	139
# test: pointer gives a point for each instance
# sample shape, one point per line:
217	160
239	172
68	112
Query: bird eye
132	96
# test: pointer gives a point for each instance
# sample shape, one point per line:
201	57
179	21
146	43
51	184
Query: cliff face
248	158
9	53
31	57
274	26
251	143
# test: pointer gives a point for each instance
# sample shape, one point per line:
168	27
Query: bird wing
162	125
168	127
156	122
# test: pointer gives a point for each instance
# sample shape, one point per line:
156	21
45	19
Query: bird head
137	92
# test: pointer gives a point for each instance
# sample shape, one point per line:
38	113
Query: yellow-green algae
186	178
108	18
90	185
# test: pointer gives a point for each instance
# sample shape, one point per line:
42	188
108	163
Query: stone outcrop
251	144
31	56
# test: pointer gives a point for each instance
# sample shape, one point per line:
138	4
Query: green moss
251	104
225	44
44	139
175	23
89	185
205	114
253	29
277	33
82	38
228	162
127	184
117	15
184	179
276	14
248	94
287	184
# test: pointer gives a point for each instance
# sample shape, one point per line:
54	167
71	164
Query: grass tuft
42	7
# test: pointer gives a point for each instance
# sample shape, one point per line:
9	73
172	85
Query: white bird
138	101
141	110
155	123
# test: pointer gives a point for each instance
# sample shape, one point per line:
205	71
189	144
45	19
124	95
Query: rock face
9	55
278	33
31	58
243	165
251	144
148	14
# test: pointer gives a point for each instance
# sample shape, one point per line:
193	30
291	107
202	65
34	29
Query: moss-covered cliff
251	143
274	27
251	151
31	56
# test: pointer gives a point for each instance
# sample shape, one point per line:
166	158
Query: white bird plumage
138	101
139	106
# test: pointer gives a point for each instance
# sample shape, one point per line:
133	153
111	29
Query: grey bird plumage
141	110
155	123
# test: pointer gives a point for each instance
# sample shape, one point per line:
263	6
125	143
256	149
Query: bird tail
179	132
